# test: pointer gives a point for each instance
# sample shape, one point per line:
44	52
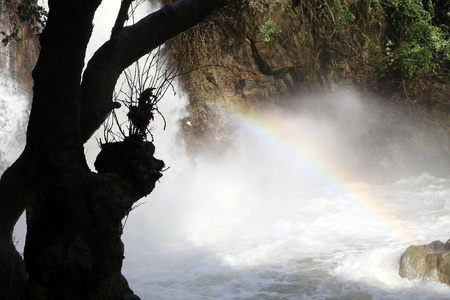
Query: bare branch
122	17
134	42
144	85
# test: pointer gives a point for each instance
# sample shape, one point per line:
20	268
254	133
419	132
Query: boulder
430	261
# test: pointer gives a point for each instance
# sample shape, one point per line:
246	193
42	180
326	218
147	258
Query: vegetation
73	248
400	38
264	51
144	85
374	40
28	11
414	44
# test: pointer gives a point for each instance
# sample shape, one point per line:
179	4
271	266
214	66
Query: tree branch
112	58
57	75
122	17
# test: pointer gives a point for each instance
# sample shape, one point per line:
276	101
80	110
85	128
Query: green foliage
268	29
420	50
406	38
417	46
411	44
343	14
365	40
261	12
336	13
30	11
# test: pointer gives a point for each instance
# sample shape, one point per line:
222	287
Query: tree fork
73	248
134	41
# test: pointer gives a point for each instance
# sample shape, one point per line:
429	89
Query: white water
13	115
259	223
14	105
253	224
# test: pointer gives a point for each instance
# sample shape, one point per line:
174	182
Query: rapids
274	217
264	222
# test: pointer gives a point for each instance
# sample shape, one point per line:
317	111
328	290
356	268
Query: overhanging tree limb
113	57
122	17
73	248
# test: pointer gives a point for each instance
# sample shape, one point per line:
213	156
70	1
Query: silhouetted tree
73	248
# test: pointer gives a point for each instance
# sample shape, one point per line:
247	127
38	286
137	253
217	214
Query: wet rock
430	261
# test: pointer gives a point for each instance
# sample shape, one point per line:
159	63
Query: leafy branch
28	11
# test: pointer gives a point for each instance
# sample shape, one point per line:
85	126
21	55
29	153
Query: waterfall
14	104
279	215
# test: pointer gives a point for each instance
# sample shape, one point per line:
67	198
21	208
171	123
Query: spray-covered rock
430	261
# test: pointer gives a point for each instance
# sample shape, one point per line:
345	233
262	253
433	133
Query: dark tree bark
12	270
73	248
133	42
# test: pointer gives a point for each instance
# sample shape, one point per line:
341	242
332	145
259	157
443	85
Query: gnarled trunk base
73	248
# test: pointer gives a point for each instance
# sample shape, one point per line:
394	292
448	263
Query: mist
313	200
290	210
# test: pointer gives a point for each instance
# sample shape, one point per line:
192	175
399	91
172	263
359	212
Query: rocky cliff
260	53
18	55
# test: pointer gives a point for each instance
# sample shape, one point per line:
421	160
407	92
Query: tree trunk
12	270
73	248
16	61
134	41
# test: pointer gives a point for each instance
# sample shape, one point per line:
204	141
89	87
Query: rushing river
276	216
267	221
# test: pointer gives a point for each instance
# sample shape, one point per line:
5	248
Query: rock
245	62
430	261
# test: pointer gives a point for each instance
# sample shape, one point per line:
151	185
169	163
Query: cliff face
17	60
264	53
19	56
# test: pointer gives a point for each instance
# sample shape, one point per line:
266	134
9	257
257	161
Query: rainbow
270	127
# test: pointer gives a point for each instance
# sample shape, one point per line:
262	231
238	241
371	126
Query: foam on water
253	224
262	223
